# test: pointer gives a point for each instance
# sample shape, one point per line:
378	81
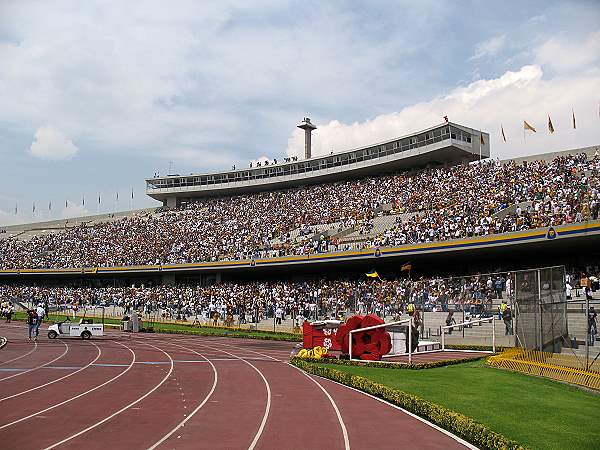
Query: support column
168	278
171	202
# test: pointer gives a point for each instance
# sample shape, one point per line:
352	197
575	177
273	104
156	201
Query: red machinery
334	335
321	333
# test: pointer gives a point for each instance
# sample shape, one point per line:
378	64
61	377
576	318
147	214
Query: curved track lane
76	388
169	391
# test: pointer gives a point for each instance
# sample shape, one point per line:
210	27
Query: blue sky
96	96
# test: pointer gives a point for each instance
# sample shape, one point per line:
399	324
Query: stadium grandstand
250	243
434	192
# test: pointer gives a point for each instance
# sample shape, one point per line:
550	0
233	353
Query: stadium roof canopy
442	145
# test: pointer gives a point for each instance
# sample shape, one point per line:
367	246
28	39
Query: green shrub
387	365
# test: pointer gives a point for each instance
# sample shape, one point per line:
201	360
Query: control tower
308	129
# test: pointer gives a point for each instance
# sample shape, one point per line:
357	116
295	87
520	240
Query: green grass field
538	413
183	328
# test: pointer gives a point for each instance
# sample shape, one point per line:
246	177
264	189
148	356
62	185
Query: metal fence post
587	332
410	341
443	338
350	345
493	334
539	310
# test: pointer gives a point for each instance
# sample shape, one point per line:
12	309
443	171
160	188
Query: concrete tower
308	129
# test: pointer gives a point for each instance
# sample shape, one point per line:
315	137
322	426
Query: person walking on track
32	323
41	313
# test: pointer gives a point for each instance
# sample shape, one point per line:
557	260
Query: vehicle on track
85	328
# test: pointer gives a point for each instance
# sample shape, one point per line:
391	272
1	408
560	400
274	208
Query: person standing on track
31	323
10	309
41	313
278	315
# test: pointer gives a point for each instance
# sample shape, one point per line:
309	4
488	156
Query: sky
96	96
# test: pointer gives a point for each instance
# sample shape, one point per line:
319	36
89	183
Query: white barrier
472	322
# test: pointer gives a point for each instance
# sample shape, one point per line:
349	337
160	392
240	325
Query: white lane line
337	411
39	367
77	396
426	422
331	400
58	379
420	419
22	356
183	422
267	386
135	402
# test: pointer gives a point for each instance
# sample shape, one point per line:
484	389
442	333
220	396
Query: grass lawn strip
539	413
175	328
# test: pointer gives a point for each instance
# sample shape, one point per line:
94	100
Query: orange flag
526	126
550	126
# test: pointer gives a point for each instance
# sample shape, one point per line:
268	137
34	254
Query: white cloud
149	76
489	48
50	143
565	55
262	159
541	18
484	104
188	158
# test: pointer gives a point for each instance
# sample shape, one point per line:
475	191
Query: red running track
168	391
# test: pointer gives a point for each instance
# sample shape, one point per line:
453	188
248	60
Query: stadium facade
442	145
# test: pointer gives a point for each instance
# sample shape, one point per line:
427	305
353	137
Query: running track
173	391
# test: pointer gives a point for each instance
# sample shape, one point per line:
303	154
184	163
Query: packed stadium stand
299	237
435	191
428	206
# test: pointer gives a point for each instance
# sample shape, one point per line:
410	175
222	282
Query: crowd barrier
558	367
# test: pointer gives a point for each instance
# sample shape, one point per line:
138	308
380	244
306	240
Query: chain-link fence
555	319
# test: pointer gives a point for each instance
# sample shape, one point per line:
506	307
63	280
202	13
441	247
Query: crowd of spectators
446	203
254	301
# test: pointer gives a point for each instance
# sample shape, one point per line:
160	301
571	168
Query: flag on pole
117	196
50	205
66	204
574	124
406	266
372	274
16	208
83	201
33	209
503	135
526	126
99	201
550	126
481	140
131	193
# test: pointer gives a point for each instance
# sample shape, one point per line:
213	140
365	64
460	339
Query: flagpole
480	138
